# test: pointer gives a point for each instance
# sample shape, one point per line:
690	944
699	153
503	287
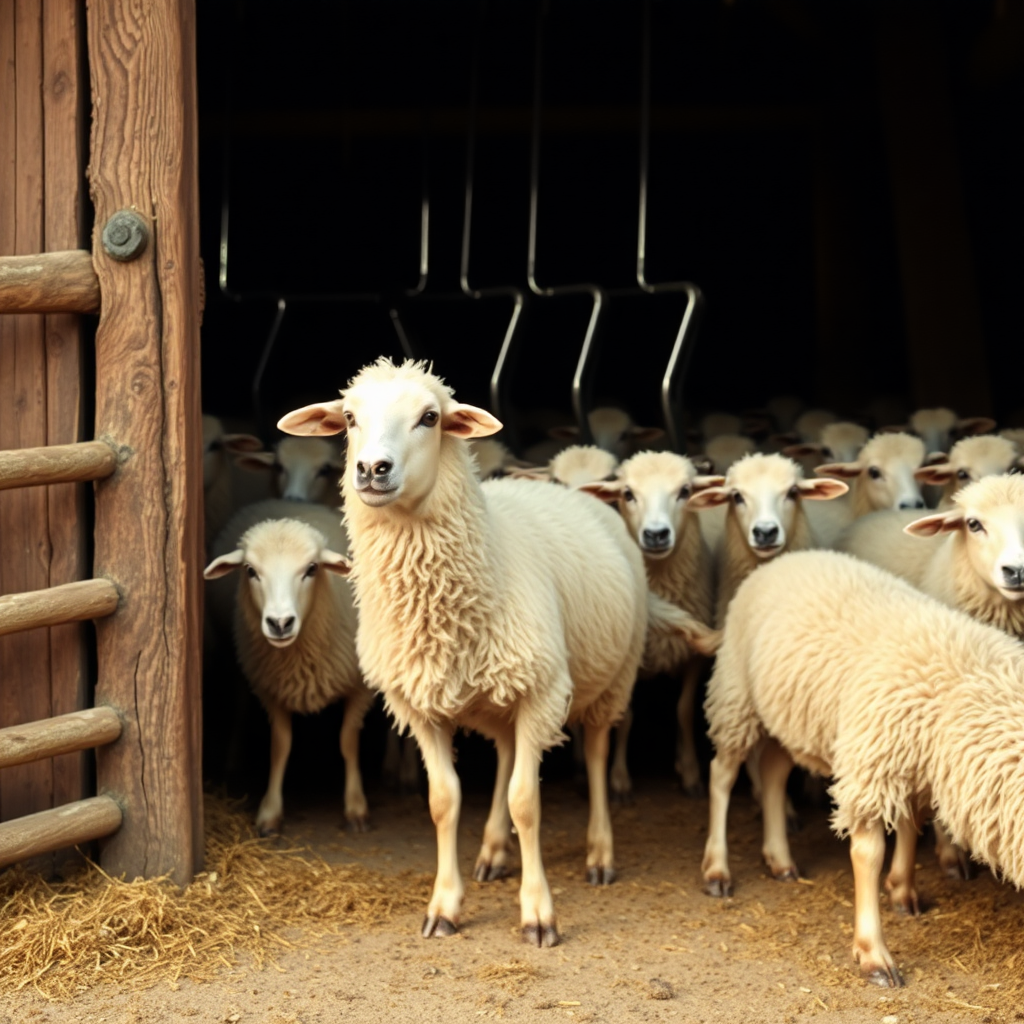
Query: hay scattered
255	899
513	976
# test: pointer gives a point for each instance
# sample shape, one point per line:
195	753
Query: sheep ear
822	490
468	421
644	435
333	562
800	451
975	425
256	462
321	419
702	483
241	443
606	490
223	565
710	497
940	473
941	522
844	470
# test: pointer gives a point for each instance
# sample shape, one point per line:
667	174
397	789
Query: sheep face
651	492
613	431
763	493
989	517
971	459
395	418
281	559
305	468
884	472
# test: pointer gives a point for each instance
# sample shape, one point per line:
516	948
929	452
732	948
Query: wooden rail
50	282
65	734
56	464
70	602
79	822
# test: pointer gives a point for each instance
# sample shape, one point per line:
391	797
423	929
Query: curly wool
905	702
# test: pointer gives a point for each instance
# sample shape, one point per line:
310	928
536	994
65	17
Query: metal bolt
125	235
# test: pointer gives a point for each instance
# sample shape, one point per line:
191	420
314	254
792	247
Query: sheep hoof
600	875
485	872
696	791
908	905
435	926
622	797
787	874
885	977
718	885
543	936
960	869
269	830
358	823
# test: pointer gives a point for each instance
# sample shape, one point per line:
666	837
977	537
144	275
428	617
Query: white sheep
841	441
882	476
219	500
611	428
506	607
651	490
940	427
971	458
294	626
726	449
910	706
302	468
1016	436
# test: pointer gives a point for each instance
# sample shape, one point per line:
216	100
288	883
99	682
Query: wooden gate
142	277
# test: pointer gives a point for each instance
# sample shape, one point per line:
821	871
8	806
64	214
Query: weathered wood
143	157
80	822
51	282
64	734
69	602
25	562
65	119
55	464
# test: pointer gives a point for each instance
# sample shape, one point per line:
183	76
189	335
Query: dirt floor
651	947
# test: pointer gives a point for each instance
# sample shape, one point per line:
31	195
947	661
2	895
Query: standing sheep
505	607
910	706
969	459
294	626
218	481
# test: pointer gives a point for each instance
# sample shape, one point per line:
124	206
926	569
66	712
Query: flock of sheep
477	591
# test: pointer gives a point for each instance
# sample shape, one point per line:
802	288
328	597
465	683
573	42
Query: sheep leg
954	860
687	766
357	810
753	765
537	909
621	783
492	861
445	797
776	764
725	766
600	861
271	810
899	883
867	851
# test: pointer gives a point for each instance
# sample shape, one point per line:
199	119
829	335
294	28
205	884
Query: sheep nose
280	627
916	503
1013	576
377	469
657	538
765	536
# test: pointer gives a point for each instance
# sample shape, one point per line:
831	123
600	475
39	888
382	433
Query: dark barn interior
841	181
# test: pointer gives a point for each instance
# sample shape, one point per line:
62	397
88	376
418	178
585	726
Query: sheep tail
665	619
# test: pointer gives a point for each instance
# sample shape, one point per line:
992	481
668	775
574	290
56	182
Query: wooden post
149	515
80	730
69	602
58	463
50	282
80	822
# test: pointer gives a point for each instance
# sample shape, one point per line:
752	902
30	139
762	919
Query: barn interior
473	181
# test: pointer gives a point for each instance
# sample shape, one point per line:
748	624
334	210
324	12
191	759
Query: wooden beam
70	602
80	822
51	282
56	464
65	734
142	66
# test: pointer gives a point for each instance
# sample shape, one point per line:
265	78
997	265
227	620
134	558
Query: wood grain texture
143	157
69	825
52	282
63	734
68	602
25	564
59	463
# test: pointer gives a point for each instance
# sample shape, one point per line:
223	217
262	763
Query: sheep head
883	472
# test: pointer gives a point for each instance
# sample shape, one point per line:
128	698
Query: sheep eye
310	571
215	445
826	453
251	573
428	419
628	495
684	492
793	493
974	525
962	474
875	473
324	470
737	498
350	418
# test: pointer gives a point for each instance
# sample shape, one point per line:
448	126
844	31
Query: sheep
1016	436
611	428
218	490
971	458
650	491
838	442
506	607
882	477
909	705
940	427
303	468
292	597
726	449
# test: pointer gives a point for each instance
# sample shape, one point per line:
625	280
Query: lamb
971	458
882	477
303	468
909	705
506	607
294	625
651	490
218	490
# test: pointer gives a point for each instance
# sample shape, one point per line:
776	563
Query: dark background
842	180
